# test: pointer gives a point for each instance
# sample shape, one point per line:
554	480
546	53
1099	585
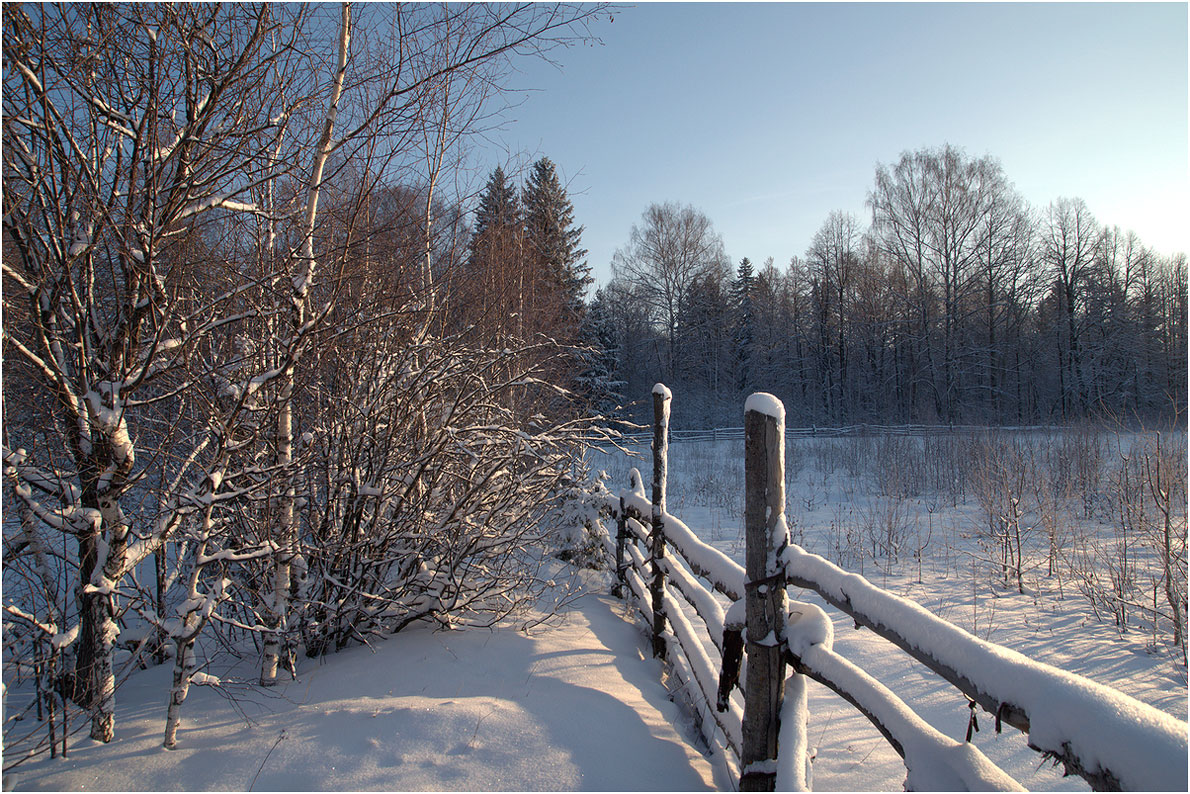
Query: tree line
956	303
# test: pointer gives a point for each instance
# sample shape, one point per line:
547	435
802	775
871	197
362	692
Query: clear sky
767	116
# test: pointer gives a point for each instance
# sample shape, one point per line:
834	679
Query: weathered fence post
765	598
621	557
661	399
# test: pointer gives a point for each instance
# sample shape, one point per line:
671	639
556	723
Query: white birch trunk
183	671
287	518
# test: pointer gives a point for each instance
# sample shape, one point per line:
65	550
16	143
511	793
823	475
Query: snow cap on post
763	403
663	390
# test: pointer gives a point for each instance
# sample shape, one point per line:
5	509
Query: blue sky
767	116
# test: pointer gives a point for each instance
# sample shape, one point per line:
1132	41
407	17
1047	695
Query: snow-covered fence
737	433
659	562
1111	740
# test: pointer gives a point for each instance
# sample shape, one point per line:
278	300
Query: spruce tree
498	207
496	292
741	303
599	358
552	240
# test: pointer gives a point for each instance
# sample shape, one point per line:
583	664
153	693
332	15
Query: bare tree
1071	241
128	129
671	247
833	257
167	171
933	215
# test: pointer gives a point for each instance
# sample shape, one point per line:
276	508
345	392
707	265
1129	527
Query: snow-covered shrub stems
164	169
426	491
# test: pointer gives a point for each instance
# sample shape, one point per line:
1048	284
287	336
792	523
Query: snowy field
847	496
576	705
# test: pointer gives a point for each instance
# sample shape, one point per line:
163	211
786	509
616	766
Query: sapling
1166	483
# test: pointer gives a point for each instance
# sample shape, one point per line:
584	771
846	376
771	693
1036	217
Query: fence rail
737	433
729	632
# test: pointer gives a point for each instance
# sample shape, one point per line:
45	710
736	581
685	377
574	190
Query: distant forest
956	302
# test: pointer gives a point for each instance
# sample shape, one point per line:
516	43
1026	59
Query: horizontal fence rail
727	633
737	433
1111	740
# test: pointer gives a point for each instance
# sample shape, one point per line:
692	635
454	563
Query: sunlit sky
767	116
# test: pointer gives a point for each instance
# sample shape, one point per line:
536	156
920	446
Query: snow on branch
40	479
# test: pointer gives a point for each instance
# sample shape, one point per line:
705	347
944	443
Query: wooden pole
661	400
765	598
621	558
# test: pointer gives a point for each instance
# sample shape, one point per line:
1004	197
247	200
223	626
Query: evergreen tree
601	353
741	304
552	239
498	207
497	287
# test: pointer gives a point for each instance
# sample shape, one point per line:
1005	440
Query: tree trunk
183	671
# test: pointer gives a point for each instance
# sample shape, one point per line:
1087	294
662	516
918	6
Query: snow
1105	728
578	706
825	504
767	404
570	707
663	390
60	641
203	679
792	739
635	496
736	616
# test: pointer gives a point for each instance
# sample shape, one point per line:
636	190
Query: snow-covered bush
425	493
582	521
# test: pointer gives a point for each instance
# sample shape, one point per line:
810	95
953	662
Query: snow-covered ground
570	706
579	706
830	513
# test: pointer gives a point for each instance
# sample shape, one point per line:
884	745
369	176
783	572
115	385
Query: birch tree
128	130
163	208
1070	242
667	251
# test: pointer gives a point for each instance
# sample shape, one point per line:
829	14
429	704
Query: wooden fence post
621	557
661	399
765	598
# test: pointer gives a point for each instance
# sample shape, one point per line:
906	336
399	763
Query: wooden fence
847	431
742	649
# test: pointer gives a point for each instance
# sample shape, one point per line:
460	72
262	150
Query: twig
265	760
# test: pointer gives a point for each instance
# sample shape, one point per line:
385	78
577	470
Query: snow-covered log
933	761
705	675
1111	740
725	574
